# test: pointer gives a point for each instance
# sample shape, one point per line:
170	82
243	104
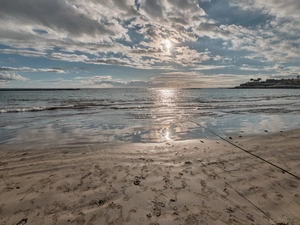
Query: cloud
68	57
251	68
280	9
93	24
161	19
269	43
153	8
97	31
56	15
28	69
22	52
109	82
194	79
111	61
212	30
10	76
58	80
187	56
131	33
210	67
273	40
170	12
69	25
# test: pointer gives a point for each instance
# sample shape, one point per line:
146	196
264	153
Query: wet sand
188	182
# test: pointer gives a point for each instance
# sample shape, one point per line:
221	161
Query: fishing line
263	212
264	160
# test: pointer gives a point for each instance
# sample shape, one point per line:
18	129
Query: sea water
35	118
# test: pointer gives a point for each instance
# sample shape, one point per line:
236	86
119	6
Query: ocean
52	118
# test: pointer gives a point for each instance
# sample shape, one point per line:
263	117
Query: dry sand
188	182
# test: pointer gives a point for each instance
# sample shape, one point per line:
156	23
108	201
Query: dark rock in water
230	138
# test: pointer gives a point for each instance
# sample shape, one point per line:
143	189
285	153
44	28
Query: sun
166	45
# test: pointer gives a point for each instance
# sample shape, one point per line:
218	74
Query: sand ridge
184	182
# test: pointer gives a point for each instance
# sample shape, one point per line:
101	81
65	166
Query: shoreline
40	89
201	181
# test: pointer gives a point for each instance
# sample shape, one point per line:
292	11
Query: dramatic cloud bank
146	43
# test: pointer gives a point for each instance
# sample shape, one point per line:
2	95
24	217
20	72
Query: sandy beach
185	182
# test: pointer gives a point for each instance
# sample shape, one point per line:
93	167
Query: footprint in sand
131	211
80	219
279	196
250	217
100	202
226	191
292	184
144	188
21	222
157	209
256	189
192	219
114	214
230	210
203	183
136	181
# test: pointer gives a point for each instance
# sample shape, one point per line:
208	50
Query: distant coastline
272	83
39	89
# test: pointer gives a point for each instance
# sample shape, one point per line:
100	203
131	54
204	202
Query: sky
147	43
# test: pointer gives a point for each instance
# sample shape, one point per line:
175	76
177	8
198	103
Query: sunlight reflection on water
148	115
165	101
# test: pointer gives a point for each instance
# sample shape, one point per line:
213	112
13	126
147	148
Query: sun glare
166	45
